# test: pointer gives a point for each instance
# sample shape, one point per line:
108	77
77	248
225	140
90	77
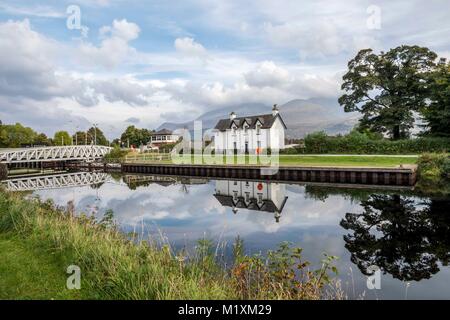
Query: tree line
16	136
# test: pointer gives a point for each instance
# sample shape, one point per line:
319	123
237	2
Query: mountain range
300	116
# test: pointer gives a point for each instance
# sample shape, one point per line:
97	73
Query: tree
42	140
96	133
387	88
80	138
16	135
135	136
62	138
437	113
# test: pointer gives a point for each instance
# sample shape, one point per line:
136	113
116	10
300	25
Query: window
258	129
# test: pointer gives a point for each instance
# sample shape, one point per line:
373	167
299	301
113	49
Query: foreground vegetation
434	174
40	241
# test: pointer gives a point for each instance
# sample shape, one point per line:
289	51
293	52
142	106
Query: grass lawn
31	273
303	160
346	161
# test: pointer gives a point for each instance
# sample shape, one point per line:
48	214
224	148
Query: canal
406	235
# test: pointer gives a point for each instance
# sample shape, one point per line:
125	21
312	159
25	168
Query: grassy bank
295	160
40	241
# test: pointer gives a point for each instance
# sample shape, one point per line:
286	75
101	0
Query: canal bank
405	175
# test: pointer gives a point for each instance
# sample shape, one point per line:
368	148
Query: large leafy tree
96	133
16	135
42	140
387	88
135	136
62	138
437	113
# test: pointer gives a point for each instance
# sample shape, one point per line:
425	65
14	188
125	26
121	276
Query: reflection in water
56	181
252	195
403	238
407	236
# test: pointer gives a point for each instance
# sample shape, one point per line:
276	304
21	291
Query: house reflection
252	195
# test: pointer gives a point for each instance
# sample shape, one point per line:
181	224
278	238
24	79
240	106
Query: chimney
232	116
274	110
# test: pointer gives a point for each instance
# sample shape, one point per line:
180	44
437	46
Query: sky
70	64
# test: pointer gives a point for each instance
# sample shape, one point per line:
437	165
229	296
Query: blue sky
160	61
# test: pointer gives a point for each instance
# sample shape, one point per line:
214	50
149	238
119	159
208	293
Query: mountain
301	116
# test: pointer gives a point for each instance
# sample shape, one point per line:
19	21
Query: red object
260	186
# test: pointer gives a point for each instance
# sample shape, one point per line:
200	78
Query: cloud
33	11
319	39
267	74
114	90
188	47
114	47
30	72
133	120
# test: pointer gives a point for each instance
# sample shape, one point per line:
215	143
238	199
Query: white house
163	136
251	134
252	195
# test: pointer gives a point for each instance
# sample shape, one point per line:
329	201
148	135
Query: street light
95	133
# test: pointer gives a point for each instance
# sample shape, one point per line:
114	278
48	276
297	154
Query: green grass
296	160
28	272
38	241
346	161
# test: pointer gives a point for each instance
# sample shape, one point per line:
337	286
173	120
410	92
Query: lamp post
95	133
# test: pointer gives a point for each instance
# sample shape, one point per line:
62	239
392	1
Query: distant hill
301	116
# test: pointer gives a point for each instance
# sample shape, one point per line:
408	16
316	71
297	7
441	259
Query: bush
433	174
446	168
361	143
116	154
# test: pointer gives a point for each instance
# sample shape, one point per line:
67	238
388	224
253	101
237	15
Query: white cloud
267	74
33	11
188	47
114	47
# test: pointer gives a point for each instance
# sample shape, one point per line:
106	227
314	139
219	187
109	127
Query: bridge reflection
55	181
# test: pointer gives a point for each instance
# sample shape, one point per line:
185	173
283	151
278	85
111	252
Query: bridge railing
56	153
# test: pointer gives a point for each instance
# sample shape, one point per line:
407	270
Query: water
407	236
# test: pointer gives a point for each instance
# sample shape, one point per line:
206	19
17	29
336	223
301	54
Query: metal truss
57	153
76	179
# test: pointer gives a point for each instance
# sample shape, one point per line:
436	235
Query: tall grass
114	266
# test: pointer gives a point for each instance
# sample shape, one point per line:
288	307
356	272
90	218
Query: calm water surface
407	236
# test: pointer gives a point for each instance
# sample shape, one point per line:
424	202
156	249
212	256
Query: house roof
266	121
161	132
